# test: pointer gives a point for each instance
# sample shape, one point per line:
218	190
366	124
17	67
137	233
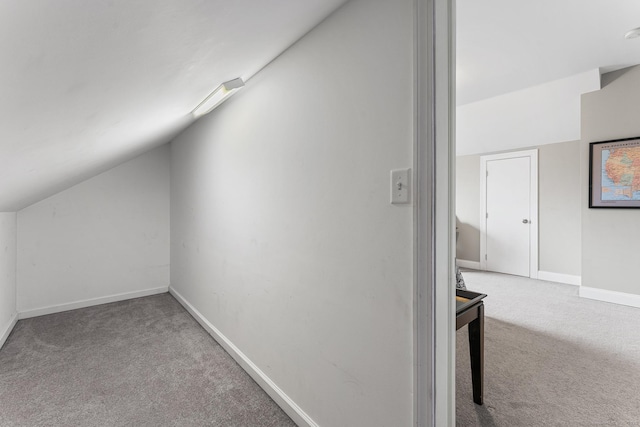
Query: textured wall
106	236
282	232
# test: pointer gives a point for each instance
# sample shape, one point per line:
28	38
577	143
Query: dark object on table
470	310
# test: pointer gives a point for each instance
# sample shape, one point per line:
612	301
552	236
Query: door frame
434	214
533	203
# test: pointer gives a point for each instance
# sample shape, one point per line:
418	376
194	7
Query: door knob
525	221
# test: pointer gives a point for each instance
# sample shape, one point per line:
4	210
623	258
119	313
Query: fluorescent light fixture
632	34
218	96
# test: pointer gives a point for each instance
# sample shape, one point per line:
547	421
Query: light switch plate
400	188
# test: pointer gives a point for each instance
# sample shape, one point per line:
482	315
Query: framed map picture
614	173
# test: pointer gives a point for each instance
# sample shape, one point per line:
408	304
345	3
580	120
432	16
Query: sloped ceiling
88	84
507	45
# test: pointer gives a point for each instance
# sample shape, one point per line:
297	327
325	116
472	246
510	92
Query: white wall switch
400	188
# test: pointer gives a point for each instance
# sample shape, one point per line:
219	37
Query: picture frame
614	173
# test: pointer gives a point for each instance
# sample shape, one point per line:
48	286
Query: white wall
104	239
7	273
543	114
559	183
283	237
611	237
468	208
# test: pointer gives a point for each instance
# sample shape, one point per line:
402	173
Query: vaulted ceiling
507	45
88	84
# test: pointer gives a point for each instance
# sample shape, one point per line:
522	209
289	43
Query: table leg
476	350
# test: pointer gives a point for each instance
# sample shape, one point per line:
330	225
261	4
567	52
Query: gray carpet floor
142	362
551	358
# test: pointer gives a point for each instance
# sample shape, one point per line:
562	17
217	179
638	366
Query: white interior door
510	214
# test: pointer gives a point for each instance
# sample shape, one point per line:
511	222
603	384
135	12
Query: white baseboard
615	297
559	278
279	396
5	334
474	265
25	314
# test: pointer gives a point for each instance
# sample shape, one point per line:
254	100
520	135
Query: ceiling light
632	34
218	96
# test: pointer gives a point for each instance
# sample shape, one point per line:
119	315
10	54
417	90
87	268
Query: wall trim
559	278
622	298
25	314
474	265
280	397
8	329
434	334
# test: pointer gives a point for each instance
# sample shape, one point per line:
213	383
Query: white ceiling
506	45
87	84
